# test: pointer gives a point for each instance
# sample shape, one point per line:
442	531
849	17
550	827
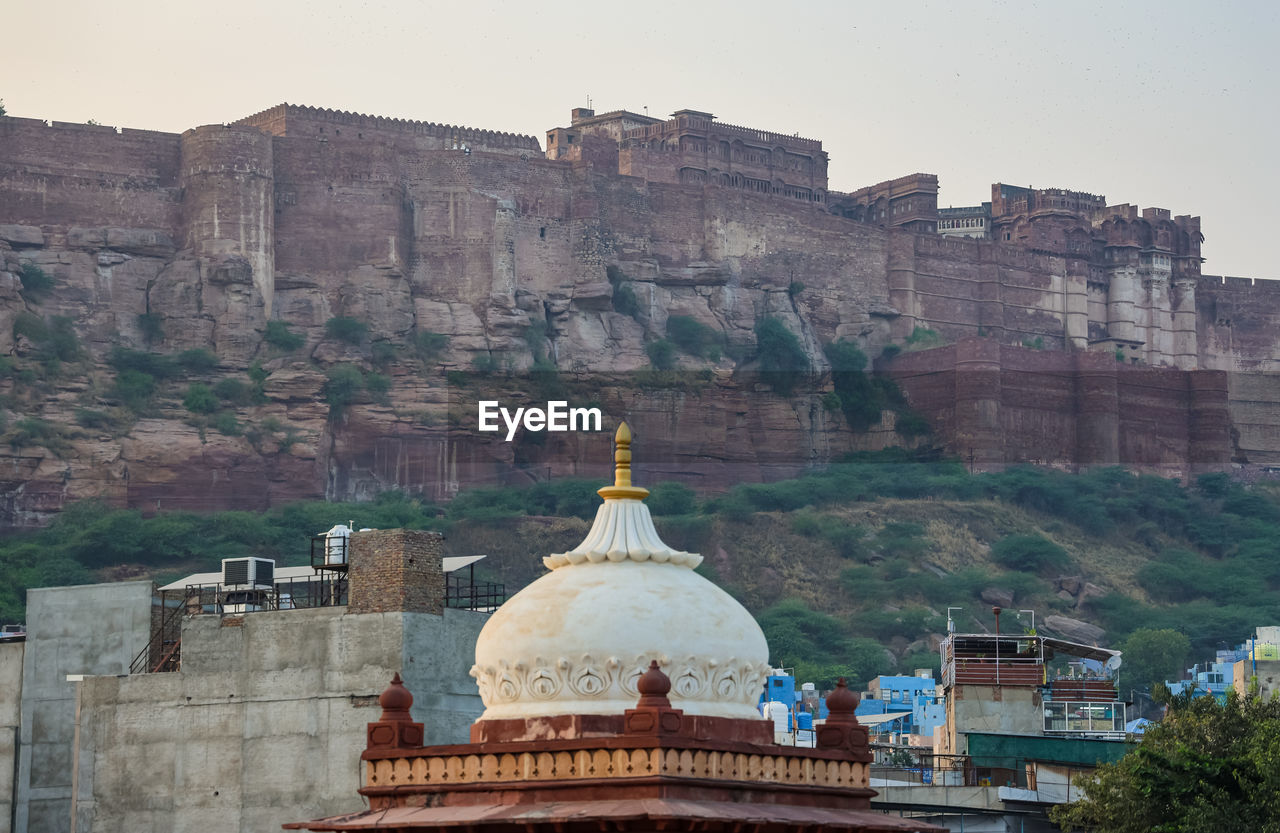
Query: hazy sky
1169	104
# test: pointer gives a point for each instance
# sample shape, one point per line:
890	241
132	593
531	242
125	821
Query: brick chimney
396	570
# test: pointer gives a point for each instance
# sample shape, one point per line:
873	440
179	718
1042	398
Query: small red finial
396	700
395	729
653	713
841	729
653	684
842	702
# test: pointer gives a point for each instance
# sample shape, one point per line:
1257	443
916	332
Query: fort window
542	232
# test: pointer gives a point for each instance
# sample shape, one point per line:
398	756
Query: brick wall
997	404
396	570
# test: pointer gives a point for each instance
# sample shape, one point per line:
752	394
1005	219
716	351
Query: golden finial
622	456
622	487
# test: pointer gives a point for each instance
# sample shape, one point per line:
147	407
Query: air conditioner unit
248	572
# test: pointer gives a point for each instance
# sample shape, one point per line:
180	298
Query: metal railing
463	592
329	553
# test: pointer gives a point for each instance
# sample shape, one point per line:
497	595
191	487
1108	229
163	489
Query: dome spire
622	488
623	529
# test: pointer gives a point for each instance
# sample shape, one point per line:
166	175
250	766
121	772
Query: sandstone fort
1060	329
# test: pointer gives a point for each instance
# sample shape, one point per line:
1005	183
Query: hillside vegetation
850	570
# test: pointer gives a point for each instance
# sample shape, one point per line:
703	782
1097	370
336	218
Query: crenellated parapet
301	120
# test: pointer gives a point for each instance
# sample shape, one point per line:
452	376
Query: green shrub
671	498
429	345
279	335
152	326
819	646
36	283
30	326
152	364
795	288
912	424
383	353
55	339
199	399
230	389
625	301
30	431
662	354
692	336
344	328
922	338
226	423
1030	553
345	381
89	418
901	540
378	385
783	362
134	389
197	360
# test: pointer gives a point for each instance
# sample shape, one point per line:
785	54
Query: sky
1169	104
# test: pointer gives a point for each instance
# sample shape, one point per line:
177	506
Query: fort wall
999	404
301	215
78	175
322	124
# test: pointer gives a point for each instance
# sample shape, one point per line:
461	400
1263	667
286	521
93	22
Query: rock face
451	249
1075	630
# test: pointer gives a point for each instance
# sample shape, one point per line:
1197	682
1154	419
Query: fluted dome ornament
577	640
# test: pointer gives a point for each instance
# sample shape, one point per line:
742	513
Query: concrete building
11	651
1260	663
916	702
250	717
1025	714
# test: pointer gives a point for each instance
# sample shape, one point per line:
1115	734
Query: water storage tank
804	721
777	712
335	545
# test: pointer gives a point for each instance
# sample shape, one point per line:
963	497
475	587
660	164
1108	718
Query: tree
199	399
2	111
662	354
345	328
783	362
1029	553
1153	656
1206	767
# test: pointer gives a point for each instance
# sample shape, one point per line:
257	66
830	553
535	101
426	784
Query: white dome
576	640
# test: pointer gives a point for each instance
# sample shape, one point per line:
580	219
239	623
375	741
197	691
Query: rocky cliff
311	305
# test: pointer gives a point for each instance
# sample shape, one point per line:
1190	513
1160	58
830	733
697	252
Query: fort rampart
300	215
